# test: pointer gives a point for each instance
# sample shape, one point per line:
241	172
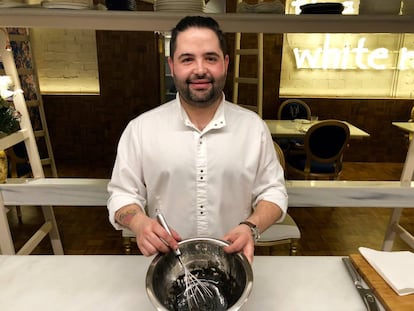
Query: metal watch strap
253	229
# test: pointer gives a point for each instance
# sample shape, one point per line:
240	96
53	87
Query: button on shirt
205	182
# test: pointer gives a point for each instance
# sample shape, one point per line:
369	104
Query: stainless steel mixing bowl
200	254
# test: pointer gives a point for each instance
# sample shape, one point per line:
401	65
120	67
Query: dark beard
195	99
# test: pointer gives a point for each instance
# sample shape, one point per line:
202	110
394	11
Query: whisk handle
163	222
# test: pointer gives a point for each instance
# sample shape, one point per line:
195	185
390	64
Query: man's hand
241	240
151	236
240	237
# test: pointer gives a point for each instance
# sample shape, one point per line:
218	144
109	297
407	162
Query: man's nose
200	67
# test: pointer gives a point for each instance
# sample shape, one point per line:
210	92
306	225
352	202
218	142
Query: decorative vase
3	166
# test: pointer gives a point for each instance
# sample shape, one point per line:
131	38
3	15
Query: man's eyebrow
183	55
212	54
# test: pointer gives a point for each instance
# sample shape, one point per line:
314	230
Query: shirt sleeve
126	185
270	182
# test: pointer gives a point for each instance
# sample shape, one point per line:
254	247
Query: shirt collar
217	122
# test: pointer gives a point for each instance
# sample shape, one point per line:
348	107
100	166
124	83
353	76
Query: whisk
197	290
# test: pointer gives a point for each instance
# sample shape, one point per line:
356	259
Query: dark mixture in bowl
221	284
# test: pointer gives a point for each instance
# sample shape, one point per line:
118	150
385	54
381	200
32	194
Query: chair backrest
325	142
292	109
281	157
411	135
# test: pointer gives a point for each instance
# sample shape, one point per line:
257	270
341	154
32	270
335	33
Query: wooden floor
325	231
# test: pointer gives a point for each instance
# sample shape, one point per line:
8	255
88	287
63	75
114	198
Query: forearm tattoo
124	217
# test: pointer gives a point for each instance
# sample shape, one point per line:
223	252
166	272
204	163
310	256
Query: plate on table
12	4
64	5
302	121
303	129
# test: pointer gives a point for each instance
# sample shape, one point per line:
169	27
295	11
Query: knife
366	293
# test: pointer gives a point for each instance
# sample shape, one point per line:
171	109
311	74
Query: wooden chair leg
19	214
126	241
293	248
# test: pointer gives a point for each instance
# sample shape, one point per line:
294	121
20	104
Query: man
208	165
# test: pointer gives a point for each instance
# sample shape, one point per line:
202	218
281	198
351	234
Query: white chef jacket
205	182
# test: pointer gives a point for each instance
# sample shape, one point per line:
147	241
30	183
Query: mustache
195	78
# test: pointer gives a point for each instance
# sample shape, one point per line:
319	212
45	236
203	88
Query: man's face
199	67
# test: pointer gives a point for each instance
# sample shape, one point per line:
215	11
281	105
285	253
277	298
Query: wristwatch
253	229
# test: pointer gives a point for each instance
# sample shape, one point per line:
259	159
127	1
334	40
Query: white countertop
302	193
102	283
92	192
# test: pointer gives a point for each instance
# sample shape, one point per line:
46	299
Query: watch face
253	229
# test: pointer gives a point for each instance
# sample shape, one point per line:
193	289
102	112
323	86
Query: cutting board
386	295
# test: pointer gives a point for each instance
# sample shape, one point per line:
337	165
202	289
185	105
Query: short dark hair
198	22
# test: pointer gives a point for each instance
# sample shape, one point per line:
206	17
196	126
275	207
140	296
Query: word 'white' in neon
360	57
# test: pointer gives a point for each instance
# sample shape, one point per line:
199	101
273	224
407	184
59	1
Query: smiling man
208	165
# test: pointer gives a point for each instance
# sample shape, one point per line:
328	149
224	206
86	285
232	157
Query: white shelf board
230	22
302	193
12	139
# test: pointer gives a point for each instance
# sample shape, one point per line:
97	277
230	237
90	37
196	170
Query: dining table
117	282
394	227
299	127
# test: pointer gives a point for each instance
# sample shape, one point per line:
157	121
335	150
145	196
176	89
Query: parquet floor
325	231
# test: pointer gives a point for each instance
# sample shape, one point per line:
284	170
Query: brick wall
66	60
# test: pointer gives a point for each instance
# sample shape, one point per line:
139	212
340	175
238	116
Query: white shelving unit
26	135
13	139
229	22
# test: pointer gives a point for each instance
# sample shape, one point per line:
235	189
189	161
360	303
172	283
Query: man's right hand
150	235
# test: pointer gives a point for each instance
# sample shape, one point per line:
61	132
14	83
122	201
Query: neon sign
358	57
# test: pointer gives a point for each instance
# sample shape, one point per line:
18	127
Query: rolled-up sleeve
270	181
126	185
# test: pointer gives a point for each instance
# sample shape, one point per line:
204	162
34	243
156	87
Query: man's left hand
241	240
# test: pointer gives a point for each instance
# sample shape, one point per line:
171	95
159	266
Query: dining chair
285	232
292	109
321	155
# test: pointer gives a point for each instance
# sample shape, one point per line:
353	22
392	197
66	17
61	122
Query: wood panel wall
86	129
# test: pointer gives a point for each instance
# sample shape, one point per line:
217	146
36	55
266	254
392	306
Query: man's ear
226	61
171	65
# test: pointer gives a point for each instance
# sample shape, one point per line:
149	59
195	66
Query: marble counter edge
93	192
